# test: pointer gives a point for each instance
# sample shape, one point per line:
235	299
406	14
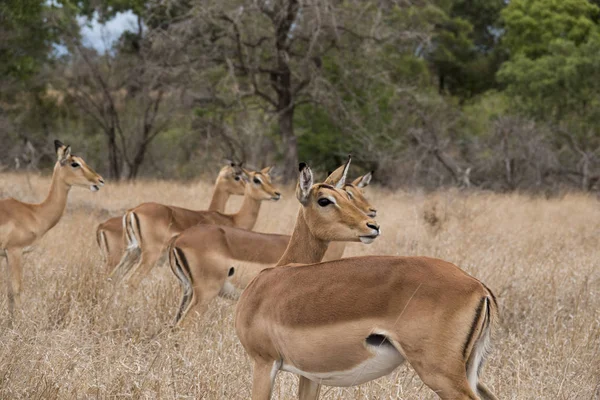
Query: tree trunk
138	160
114	167
290	148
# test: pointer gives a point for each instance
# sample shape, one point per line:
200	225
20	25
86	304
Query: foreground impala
202	256
22	224
150	226
346	322
109	234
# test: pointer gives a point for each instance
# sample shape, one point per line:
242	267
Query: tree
553	74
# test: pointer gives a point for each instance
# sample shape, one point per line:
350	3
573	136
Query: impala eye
256	180
350	195
237	178
323	202
74	165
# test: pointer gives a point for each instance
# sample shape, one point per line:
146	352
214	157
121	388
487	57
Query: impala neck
247	215
219	199
304	247
52	208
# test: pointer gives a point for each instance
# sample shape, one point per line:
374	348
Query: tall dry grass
80	337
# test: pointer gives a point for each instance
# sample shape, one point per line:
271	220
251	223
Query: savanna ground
79	336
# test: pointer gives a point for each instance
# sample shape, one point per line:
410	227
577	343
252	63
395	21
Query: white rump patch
132	242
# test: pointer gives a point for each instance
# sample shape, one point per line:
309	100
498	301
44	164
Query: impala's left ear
338	177
363	181
62	152
266	170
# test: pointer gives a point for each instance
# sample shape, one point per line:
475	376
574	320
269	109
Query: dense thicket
493	94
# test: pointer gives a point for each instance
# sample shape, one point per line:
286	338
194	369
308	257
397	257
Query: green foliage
533	25
554	72
26	37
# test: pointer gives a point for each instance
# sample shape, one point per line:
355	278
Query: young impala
349	321
22	224
109	234
201	257
149	227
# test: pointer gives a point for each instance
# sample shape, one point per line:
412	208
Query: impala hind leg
13	266
148	260
308	390
485	393
202	294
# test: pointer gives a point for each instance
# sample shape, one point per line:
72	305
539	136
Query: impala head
328	211
259	185
354	189
73	170
231	178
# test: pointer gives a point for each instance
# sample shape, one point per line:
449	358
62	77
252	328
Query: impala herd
302	308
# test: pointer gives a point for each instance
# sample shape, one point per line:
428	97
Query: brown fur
109	234
226	245
156	224
22	224
316	318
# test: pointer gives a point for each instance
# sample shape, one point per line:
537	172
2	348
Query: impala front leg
13	258
263	378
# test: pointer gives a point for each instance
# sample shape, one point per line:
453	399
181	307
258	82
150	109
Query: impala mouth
368	239
94	188
276	197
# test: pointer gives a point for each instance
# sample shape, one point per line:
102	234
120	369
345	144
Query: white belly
385	359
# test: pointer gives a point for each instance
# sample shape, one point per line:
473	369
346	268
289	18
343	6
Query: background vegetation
494	94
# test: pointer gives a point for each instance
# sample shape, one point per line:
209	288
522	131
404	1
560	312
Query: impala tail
180	267
479	341
133	251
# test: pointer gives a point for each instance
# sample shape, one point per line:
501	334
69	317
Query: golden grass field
79	336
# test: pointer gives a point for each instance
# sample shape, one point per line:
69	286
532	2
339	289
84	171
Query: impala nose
101	182
373	226
277	196
372	212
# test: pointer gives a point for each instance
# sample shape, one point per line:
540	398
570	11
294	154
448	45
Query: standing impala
349	321
201	257
109	234
150	226
22	224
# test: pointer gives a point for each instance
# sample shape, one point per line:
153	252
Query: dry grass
80	337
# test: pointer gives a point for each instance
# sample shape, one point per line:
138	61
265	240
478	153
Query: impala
349	321
22	224
201	257
109	234
149	227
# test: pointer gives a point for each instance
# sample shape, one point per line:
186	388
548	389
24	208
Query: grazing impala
201	257
150	226
22	224
349	321
109	234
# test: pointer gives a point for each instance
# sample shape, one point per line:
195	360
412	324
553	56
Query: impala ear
62	152
305	182
245	174
266	170
363	181
338	177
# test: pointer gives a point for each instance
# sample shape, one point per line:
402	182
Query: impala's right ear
62	152
363	181
305	182
245	174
